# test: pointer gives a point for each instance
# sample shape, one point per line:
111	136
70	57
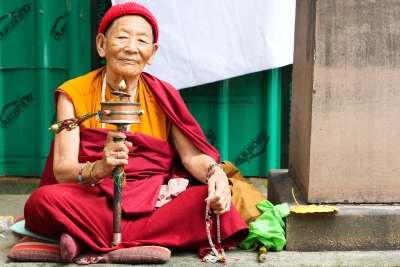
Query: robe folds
85	211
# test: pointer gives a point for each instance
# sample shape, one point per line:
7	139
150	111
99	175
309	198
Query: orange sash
85	94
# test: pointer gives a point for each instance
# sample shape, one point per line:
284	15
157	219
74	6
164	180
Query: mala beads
213	256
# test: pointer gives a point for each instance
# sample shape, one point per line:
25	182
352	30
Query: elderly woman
74	201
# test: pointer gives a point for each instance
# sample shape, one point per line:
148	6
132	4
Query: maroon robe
86	211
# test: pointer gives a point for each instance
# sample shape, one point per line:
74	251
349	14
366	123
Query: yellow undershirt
85	93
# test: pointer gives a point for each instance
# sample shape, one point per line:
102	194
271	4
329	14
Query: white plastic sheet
203	41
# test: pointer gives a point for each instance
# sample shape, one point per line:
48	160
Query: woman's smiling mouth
129	61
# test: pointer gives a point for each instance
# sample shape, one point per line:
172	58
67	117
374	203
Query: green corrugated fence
37	54
43	43
241	118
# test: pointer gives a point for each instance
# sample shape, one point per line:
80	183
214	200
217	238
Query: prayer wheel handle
118	175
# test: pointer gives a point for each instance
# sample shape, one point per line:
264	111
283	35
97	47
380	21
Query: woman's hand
114	154
219	191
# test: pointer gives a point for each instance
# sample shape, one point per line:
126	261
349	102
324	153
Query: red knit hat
129	8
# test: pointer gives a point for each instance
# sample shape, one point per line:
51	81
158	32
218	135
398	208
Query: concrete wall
348	102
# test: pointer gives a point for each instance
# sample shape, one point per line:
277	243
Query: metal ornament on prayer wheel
121	112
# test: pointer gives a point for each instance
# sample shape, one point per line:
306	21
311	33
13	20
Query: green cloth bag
269	228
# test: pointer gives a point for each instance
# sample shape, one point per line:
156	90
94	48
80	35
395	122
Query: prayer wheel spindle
121	112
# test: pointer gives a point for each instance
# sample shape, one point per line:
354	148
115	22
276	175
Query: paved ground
12	204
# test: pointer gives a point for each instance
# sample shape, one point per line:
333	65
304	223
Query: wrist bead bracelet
80	172
209	169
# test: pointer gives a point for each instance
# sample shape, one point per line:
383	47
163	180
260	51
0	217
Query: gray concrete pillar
345	127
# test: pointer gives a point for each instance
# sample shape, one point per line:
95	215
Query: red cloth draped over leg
81	210
86	212
52	210
181	224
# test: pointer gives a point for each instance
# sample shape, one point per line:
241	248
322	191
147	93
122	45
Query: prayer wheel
121	112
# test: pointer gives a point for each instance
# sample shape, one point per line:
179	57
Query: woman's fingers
223	204
121	154
128	144
117	146
225	207
115	153
114	134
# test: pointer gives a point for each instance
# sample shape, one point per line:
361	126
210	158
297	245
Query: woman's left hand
219	192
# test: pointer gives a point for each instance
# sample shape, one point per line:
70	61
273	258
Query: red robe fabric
86	211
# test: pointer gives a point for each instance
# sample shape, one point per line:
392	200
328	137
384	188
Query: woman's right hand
114	154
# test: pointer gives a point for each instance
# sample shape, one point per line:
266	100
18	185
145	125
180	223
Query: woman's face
128	46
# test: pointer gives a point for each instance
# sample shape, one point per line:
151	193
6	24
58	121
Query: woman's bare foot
71	247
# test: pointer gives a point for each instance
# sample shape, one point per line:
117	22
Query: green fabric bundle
269	228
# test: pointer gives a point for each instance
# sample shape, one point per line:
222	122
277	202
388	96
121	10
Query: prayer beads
214	255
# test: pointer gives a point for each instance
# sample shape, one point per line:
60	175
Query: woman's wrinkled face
128	45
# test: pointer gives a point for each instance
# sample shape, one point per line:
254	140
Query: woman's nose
131	45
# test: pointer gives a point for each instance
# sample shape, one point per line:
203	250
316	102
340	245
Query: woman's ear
155	48
101	44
